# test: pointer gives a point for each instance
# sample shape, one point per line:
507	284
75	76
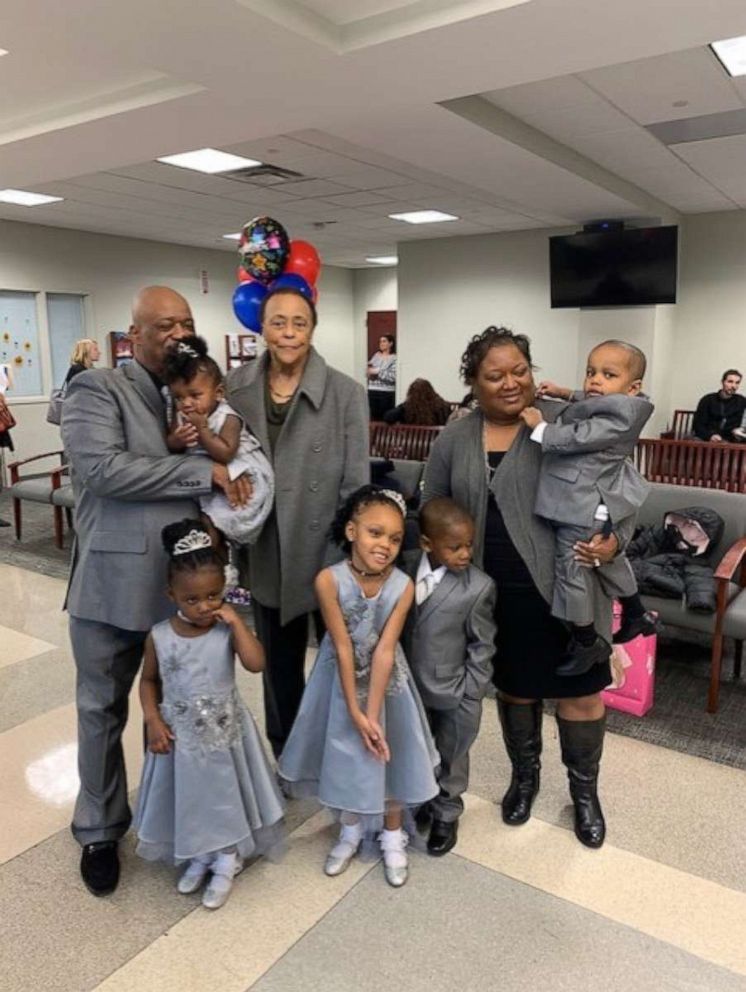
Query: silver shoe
395	865
340	856
194	875
396	876
217	892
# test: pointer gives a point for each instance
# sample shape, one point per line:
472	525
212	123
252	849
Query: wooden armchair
51	486
681	427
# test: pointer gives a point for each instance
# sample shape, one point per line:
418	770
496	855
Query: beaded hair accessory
183	348
395	497
195	540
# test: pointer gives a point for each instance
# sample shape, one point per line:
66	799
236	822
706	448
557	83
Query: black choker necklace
367	575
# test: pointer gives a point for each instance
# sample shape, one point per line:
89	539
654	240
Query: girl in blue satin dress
208	795
360	742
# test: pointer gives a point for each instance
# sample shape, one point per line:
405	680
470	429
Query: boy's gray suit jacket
586	460
128	487
449	640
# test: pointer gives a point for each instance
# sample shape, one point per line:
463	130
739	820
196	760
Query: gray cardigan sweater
456	468
320	457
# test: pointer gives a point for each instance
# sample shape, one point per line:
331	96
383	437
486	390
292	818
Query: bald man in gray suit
127	487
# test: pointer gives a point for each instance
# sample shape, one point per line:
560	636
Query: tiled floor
662	906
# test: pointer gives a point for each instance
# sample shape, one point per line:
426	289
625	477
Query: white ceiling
91	94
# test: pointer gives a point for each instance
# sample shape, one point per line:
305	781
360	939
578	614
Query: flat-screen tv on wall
626	268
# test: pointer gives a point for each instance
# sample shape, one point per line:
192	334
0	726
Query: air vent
263	175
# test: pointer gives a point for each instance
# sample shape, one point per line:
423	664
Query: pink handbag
633	669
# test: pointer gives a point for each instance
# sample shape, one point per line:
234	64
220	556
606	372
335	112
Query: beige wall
110	270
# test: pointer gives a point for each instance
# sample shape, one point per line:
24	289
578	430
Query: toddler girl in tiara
208	797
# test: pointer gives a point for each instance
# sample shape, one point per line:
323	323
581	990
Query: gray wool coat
456	468
320	457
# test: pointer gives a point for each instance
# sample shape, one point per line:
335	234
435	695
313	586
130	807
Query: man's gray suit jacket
586	460
450	639
127	488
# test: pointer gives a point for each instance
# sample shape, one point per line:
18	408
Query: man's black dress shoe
442	837
99	867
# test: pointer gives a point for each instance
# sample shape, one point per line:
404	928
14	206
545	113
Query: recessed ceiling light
24	199
232	237
3	51
382	259
423	217
209	160
732	55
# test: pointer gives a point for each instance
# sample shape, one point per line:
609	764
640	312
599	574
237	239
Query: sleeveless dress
215	789
325	756
240	525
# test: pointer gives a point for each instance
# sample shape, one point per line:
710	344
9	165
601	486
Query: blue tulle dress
215	790
325	756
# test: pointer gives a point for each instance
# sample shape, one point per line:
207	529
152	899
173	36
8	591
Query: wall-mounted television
623	268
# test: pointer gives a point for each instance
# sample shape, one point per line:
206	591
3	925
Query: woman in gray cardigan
487	462
312	423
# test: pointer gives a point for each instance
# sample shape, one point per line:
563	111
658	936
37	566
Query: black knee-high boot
521	726
582	742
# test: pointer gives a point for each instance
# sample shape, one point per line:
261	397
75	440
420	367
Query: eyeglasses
280	323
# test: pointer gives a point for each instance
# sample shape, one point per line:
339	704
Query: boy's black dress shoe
580	658
647	624
99	867
442	837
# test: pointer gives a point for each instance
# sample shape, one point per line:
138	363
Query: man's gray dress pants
106	659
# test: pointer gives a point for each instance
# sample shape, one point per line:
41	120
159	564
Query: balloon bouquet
269	260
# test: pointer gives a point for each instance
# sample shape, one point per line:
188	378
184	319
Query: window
66	320
19	341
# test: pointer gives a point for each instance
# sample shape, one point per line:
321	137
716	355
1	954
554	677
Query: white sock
394	848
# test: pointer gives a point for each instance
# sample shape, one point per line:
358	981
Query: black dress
530	641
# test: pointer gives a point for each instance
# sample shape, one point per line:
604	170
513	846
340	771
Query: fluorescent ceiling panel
382	259
209	160
732	54
22	198
423	217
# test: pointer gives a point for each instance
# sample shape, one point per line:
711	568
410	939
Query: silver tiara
195	540
184	349
395	497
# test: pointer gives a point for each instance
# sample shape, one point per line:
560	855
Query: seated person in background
588	483
739	433
718	414
465	407
422	406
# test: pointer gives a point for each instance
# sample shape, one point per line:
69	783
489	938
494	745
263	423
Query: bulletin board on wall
240	349
19	341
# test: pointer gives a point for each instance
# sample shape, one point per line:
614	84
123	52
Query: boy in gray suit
449	640
587	483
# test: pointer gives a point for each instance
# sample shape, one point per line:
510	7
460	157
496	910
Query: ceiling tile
647	89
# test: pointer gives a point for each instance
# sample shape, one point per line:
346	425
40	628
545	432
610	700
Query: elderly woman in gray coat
312	422
488	463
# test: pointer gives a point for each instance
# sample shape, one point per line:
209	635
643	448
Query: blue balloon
291	280
247	302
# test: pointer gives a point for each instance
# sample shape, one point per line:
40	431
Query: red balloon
242	275
303	260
